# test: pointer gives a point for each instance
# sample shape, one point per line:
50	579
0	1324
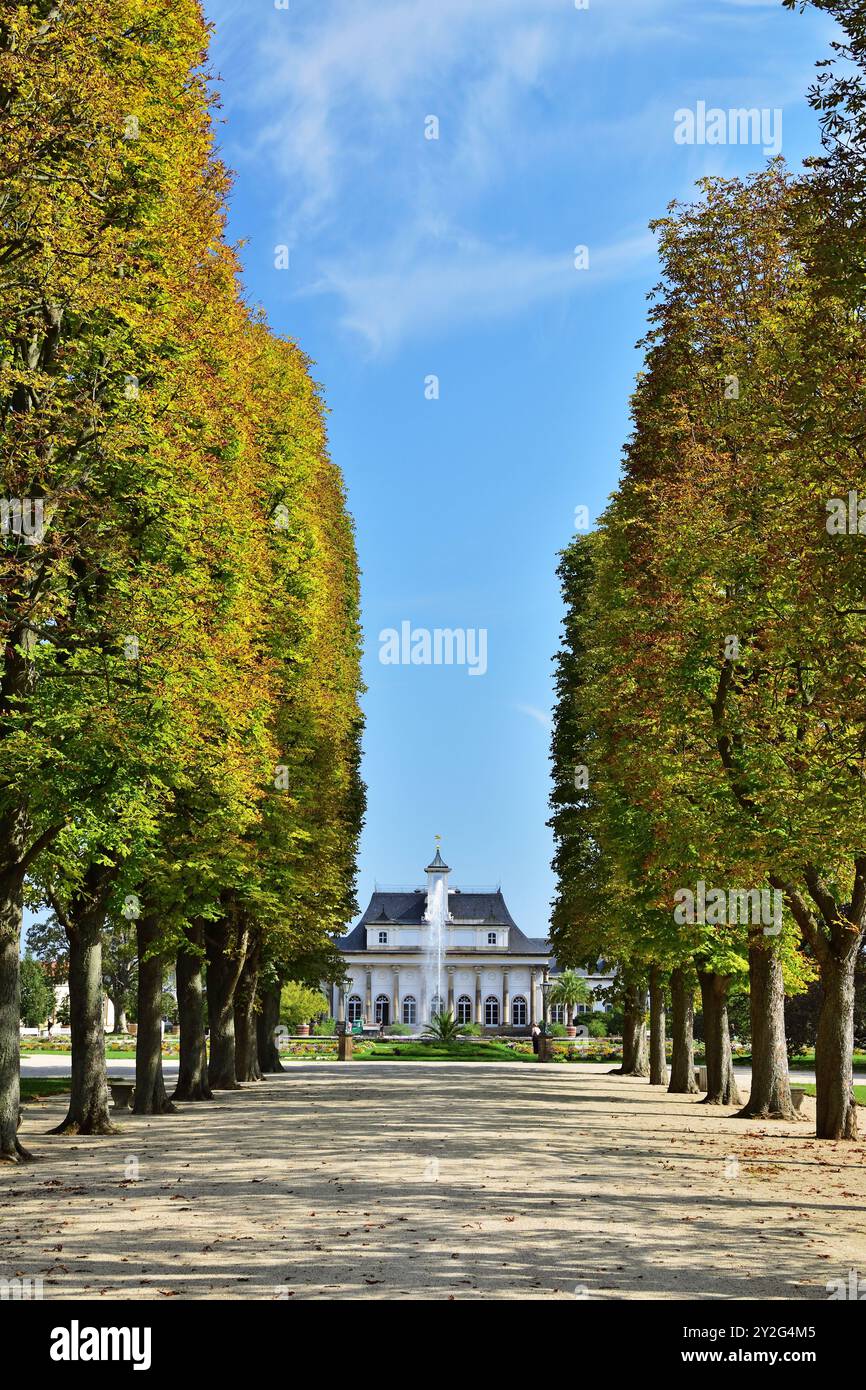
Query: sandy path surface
436	1181
41	1064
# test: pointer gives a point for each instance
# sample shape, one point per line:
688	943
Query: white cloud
333	86
540	716
427	285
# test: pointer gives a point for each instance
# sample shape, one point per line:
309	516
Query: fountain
437	911
436	915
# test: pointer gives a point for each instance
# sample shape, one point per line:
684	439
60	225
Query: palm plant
443	1027
569	989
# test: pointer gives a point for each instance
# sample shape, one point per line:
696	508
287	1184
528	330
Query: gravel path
436	1181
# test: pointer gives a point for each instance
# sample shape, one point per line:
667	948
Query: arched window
491	1011
383	1008
354	1008
557	1013
464	1009
410	1009
518	1011
438	1005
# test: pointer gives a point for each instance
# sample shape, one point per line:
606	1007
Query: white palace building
425	951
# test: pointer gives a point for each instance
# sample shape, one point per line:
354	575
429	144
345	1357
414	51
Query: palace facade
487	971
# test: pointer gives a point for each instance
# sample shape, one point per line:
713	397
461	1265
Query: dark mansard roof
407	909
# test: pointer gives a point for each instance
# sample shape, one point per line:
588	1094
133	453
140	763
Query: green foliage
181	651
37	996
444	1027
569	989
300	1004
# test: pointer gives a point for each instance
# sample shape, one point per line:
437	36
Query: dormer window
491	938
383	938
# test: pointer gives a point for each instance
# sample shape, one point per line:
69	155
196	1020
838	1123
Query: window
582	1009
491	1011
491	938
383	938
354	1008
464	1009
557	1013
518	1011
410	1009
383	1008
438	1005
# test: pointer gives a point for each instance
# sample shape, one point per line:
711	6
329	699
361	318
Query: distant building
435	949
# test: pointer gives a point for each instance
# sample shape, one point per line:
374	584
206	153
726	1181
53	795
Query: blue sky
454	257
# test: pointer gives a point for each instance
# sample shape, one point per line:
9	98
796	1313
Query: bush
471	1030
596	1026
557	1030
325	1027
399	1030
299	1004
169	1008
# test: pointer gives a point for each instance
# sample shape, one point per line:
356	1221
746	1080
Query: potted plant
569	989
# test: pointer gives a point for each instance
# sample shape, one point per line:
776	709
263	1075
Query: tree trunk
267	1022
721	1084
150	1093
11	907
246	1038
834	1046
16	680
682	1080
192	1082
226	949
770	1095
634	1042
120	1022
89	1102
658	1059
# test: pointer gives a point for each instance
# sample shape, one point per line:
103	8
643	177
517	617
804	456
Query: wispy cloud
407	237
429	285
540	716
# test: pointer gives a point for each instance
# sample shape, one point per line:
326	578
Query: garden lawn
35	1087
859	1093
441	1052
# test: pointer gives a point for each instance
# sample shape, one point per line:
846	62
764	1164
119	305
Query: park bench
121	1092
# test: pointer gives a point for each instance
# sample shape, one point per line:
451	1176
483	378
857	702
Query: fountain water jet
436	916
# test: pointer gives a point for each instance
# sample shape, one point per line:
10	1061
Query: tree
181	662
299	1004
37	996
94	250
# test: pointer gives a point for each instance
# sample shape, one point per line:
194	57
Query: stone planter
303	1030
571	1031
